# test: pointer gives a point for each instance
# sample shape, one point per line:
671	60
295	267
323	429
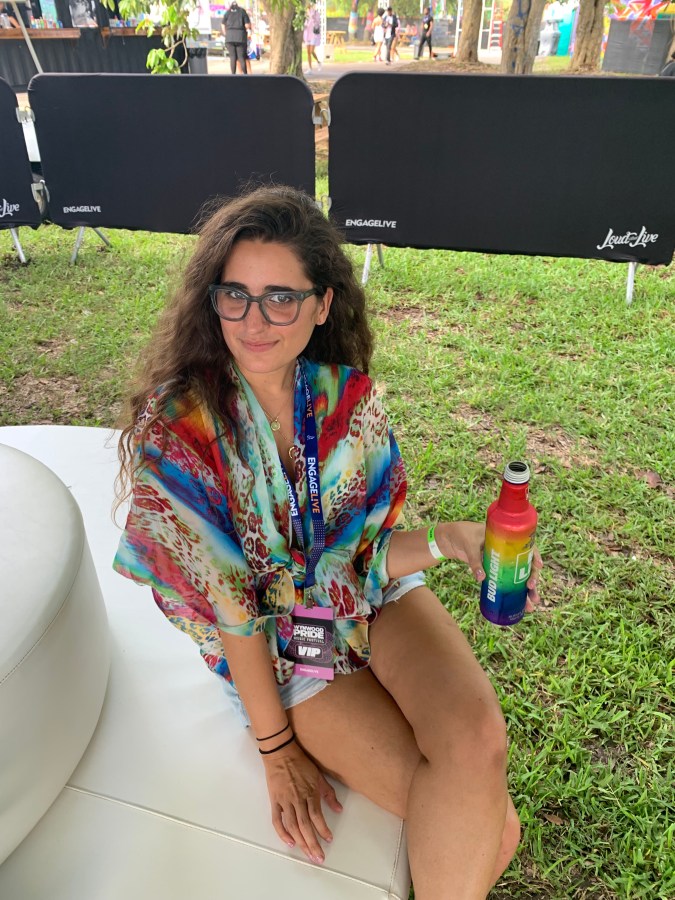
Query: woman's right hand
296	788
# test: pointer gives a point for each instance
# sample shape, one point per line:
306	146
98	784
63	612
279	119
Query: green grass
345	55
482	359
551	65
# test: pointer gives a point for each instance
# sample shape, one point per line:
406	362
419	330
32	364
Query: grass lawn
482	359
551	65
344	55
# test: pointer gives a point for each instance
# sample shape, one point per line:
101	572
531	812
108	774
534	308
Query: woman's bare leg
458	801
462	828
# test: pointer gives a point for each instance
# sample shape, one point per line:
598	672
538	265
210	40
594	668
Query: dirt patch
9	261
319	88
406	313
448	65
474	419
606	755
54	347
551	444
415	317
58	400
561	584
43	401
613	545
554	443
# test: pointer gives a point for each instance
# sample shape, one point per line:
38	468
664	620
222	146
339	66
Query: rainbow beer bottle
509	547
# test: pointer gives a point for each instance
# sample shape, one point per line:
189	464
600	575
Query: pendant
294	452
275	425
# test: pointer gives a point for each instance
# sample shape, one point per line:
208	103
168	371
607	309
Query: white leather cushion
169	799
54	651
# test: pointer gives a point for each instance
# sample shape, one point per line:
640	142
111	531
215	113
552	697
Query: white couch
168	799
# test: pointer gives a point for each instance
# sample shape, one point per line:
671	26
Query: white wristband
434	549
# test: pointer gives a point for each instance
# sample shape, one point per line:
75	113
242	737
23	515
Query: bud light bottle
509	548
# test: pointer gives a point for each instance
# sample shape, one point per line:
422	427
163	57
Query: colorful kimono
209	528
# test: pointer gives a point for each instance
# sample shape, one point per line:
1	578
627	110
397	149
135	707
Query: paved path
220	65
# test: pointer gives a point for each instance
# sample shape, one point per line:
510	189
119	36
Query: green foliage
174	27
300	14
300	7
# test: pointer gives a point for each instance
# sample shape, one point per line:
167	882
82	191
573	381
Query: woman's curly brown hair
187	354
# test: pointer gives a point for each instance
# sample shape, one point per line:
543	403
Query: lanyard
313	493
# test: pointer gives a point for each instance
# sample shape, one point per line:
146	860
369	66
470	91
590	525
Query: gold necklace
275	425
293	451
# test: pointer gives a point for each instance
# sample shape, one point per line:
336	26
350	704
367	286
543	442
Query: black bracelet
276	733
280	747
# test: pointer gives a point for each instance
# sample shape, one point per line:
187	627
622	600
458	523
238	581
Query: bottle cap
517	473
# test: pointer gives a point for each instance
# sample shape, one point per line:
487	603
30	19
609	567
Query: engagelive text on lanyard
311	647
314	496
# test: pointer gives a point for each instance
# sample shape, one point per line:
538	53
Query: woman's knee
510	841
473	735
400	776
512	832
356	733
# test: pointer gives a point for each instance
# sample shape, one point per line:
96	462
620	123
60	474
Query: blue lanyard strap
313	494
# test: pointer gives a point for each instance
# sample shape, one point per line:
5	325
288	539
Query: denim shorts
301	688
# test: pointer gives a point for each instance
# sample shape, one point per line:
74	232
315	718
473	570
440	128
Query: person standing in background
394	44
312	35
425	32
7	18
237	28
390	25
378	34
368	30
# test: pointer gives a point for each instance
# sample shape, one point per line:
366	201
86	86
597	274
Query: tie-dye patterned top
209	527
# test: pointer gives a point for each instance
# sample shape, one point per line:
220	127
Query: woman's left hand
465	541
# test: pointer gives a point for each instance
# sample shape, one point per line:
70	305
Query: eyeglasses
277	307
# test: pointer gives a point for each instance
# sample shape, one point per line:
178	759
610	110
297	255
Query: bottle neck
513	498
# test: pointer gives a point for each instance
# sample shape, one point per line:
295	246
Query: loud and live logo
629	239
8	209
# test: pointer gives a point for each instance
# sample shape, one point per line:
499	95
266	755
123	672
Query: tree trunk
521	36
588	41
285	41
470	23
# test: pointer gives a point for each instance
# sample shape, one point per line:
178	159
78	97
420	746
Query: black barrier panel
534	165
145	152
90	52
638	46
17	206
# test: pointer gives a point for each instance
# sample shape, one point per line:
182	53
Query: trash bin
197	60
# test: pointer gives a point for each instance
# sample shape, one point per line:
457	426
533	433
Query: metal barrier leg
366	264
80	239
630	283
78	244
17	245
380	255
103	237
